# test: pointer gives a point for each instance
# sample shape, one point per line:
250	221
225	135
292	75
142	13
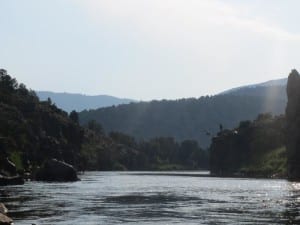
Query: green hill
197	119
32	131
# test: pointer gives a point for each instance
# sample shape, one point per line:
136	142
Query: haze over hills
79	102
192	118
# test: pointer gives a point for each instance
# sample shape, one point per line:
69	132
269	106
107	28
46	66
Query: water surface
154	198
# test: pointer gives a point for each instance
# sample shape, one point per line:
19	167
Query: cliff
293	125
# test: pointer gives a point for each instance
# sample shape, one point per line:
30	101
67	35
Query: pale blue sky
148	49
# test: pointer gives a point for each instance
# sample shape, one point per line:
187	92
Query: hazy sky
148	49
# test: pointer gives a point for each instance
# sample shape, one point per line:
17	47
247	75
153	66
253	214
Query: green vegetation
121	152
253	149
196	119
33	131
273	163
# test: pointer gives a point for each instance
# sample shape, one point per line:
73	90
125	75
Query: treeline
118	151
186	118
253	149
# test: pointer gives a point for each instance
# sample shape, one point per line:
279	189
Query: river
154	198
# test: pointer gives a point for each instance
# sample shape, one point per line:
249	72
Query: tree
94	126
74	117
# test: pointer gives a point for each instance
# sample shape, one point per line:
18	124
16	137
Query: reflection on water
151	198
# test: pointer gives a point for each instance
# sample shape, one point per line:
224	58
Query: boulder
3	209
54	170
5	220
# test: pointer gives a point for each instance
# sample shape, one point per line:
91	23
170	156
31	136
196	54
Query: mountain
198	119
192	118
270	86
79	102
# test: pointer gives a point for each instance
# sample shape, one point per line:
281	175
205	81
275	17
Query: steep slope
79	102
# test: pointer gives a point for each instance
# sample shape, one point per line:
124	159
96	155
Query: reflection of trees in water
292	212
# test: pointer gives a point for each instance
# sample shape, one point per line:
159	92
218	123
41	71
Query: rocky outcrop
293	125
54	170
4	219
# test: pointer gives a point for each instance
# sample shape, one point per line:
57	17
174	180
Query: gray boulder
5	220
3	209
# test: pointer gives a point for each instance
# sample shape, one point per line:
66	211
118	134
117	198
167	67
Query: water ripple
151	198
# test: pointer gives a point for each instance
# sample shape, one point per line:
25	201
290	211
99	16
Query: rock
3	209
293	125
54	170
5	220
16	180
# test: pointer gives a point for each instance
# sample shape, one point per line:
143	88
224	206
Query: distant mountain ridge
80	102
271	83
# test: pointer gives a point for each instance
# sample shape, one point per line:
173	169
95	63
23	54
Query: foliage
32	131
196	119
273	163
121	152
252	149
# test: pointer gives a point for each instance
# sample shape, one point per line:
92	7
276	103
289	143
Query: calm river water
154	198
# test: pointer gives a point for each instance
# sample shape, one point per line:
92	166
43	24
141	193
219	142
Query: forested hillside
182	119
34	131
254	148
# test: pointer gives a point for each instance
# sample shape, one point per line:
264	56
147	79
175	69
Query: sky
148	49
